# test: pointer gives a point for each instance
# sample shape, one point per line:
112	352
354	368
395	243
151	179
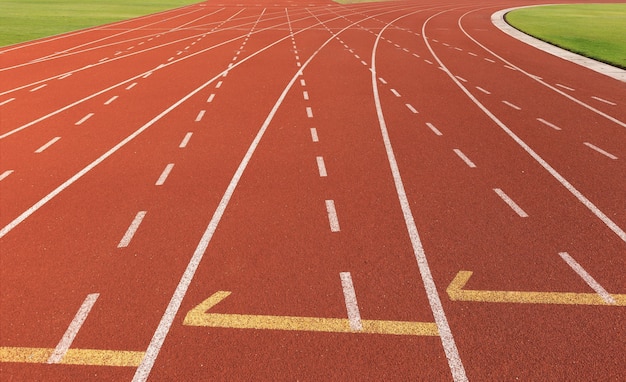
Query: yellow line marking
198	316
457	293
93	357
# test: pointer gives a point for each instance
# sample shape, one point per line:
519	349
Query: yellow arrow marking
92	357
198	316
457	293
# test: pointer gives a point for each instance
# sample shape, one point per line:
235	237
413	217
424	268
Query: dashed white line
164	174
606	296
298	64
7	101
465	159
85	118
103	59
305	95
565	87
405	49
603	100
382	80
185	140
302	83
428	62
410	107
472	54
321	167
132	229
416	55
457	48
434	129
38	87
111	100
5	174
395	92
555	127
200	115
218	85
518	210
50	143
314	136
309	112
483	90
509	67
489	60
131	86
332	216
352	308
147	75
64	76
461	78
210	99
363	63
512	105
596	148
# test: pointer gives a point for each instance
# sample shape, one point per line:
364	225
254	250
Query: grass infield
593	30
25	20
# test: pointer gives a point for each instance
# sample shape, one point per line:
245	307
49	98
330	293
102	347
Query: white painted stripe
465	158
472	54
606	296
357	56
321	166
210	99
490	60
185	140
50	143
332	216
5	174
130	232
483	90
170	59
309	112
72	330
405	49
314	136
518	210
603	100
565	87
511	105
225	74
428	62
459	49
363	63
434	129
416	55
131	86
302	83
596	148
305	94
555	127
7	101
382	80
103	59
218	85
65	76
85	118
352	307
461	78
200	115
395	92
164	174
445	43
38	87
411	108
509	67
111	100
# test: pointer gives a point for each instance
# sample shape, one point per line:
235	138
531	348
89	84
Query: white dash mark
302	83
305	94
332	216
5	174
596	148
428	62
185	140
411	108
489	60
147	75
170	59
446	44
103	59
483	90
472	54
357	56
565	87
38	87
164	174
298	64
131	86
555	127
459	49
200	115
511	105
321	167
64	76
434	129
354	316
465	159
363	63
606	296
405	49
382	80
50	143
218	85
518	210
314	136
461	78
7	101
210	99
605	101
111	100
395	92
85	118
309	112
416	55
130	232
225	74
509	67
72	330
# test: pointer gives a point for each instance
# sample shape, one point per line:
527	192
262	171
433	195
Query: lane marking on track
428	62
457	293
363	63
465	159
509	67
514	206
565	87
352	307
410	107
302	82
210	99
593	284
200	115
219	84
472	54
91	357
84	119
333	220
509	104
131	86
164	174
604	101
483	90
132	229
489	60
597	149
434	129
5	174
309	112
7	101
555	127
64	76
416	55
50	143
198	316
38	87
314	136
111	100
72	330
185	140
382	81
395	92
305	95
321	167
461	78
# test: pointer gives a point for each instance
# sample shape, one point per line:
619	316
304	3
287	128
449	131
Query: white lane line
565	87
434	129
461	78
382	80
408	105
7	101
72	330
305	94
225	74
218	85
596	148
103	59
428	62
459	49
509	67
164	174
395	92
472	54
603	100
363	63
38	87
5	174
405	49
185	140
130	232
321	167
606	296
111	100
64	76
483	90
131	86
416	55
511	105
489	60
200	115
332	216
352	307
555	127
170	59
314	136
210	99
309	112
85	118
302	83
50	143
518	210
465	158
357	56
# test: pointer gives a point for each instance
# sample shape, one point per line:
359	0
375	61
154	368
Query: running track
310	191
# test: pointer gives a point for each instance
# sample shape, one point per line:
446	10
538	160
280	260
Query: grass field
24	20
593	30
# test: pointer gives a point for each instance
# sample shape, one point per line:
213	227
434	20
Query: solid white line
85	118
565	87
555	127
131	86
606	296
309	112
518	210
38	87
130	232
72	330
164	174
305	94
483	90
185	140
7	101
411	108
5	174
603	100
200	115
465	158
50	143
434	129
111	100
321	166
511	105
332	216
314	136
210	99
596	148
395	92
352	307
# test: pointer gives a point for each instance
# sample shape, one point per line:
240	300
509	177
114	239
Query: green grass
593	30
24	20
